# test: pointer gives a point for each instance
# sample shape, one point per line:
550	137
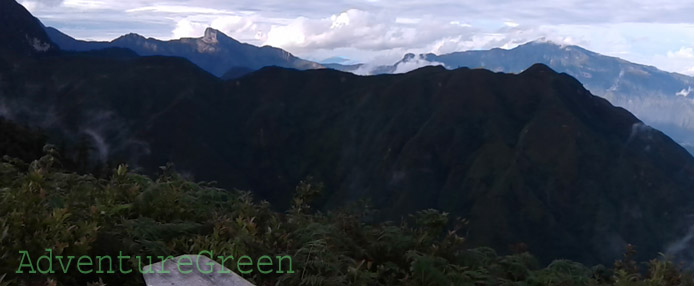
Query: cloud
243	26
682	66
362	30
374	32
473	42
365	69
350	29
177	9
405	20
685	92
186	28
682	53
680	60
238	25
86	4
415	63
35	5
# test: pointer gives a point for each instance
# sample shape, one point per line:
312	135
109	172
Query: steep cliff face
22	34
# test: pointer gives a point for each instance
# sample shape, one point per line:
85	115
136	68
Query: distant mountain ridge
215	52
661	99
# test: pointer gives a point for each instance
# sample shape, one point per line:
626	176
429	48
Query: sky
658	33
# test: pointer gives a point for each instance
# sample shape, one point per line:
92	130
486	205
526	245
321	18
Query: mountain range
662	99
530	158
214	52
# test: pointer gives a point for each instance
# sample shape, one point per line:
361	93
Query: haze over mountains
662	99
531	157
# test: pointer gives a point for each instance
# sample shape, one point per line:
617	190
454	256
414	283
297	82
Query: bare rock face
191	270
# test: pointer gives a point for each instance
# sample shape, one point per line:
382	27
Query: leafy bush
45	207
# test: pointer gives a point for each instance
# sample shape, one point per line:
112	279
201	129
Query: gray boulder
202	271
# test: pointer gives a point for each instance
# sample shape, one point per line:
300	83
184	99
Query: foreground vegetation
43	206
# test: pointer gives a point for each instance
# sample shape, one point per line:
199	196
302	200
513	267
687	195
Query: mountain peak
539	68
549	45
210	36
131	37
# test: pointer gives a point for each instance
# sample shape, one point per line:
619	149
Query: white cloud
186	28
415	63
405	20
85	4
292	34
473	42
338	30
175	9
679	59
458	23
30	5
362	30
36	5
365	69
682	53
685	92
235	25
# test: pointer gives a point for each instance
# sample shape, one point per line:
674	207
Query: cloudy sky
659	33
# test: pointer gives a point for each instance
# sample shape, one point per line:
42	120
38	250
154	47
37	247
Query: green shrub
45	207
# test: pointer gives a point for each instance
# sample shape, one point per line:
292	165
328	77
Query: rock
178	271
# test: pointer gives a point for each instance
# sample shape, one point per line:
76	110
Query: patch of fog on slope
682	249
685	92
111	136
5	111
100	144
414	63
108	134
365	69
639	129
406	65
